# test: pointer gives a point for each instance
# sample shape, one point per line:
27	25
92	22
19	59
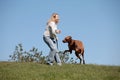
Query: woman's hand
58	31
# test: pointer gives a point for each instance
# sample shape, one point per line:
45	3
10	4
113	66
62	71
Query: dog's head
67	39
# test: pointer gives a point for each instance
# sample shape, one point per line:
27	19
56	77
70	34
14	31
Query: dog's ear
70	37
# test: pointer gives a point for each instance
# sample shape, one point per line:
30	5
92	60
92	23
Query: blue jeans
53	55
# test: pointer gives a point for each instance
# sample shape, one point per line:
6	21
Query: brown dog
75	45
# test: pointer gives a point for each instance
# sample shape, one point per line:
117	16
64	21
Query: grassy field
36	71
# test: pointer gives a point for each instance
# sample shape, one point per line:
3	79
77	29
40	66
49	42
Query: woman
50	38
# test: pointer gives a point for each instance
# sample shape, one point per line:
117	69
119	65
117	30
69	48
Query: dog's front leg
66	51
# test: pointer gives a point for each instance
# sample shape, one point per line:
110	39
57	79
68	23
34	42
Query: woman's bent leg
53	55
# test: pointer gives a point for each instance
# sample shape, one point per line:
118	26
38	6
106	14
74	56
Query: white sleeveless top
53	27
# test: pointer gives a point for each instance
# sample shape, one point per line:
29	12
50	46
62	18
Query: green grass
36	71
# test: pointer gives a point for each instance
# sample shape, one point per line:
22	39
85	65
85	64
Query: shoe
59	64
51	64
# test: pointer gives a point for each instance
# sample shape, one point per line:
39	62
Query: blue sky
95	22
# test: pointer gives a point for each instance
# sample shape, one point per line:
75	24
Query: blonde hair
52	18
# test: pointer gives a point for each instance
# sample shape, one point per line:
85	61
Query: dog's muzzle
64	41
